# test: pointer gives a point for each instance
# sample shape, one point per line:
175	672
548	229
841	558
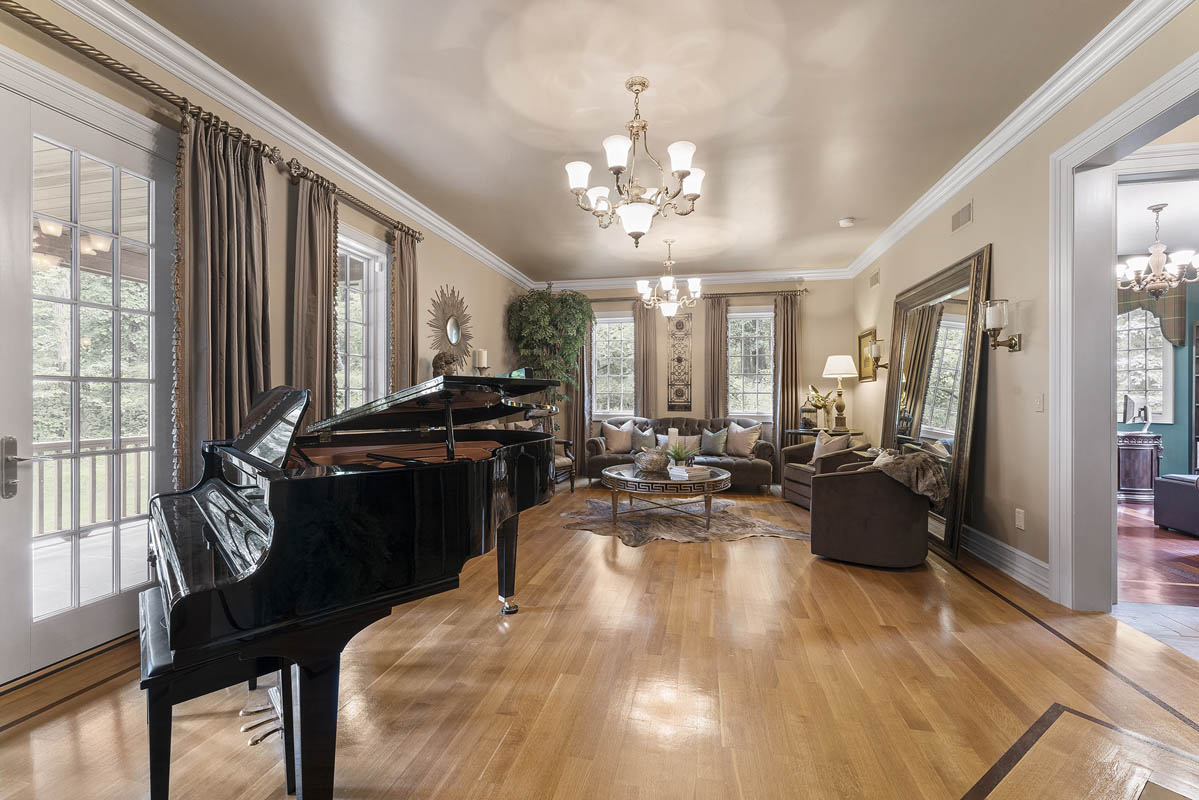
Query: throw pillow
741	441
644	440
826	444
663	440
690	442
937	449
618	440
713	444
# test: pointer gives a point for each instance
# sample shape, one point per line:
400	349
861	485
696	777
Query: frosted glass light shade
598	195
680	155
100	244
577	172
616	147
692	183
1138	263
994	317
642	287
669	309
636	218
51	229
693	285
1182	257
840	367
666	282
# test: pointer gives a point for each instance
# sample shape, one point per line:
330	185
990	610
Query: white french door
85	334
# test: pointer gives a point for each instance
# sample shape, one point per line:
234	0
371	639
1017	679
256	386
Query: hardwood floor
743	669
1155	565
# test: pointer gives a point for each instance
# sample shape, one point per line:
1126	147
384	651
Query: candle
874	349
672	436
481	359
995	317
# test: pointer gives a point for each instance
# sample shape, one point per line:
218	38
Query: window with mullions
361	333
944	382
613	366
1144	363
751	363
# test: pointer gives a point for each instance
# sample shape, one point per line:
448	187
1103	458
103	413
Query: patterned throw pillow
741	441
826	444
690	442
646	440
618	440
712	444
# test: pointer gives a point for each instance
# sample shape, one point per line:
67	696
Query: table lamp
840	367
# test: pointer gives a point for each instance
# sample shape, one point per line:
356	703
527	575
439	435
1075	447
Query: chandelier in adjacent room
1157	273
665	293
637	205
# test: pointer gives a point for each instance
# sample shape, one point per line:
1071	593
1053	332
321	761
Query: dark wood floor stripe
1007	762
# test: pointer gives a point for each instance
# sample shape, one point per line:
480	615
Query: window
751	363
361	335
941	397
1144	363
613	366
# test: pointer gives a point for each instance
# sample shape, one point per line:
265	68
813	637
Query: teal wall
1176	437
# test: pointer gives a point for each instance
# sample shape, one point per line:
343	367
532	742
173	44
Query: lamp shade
578	172
692	183
642	286
680	156
669	309
636	217
617	149
598	195
840	367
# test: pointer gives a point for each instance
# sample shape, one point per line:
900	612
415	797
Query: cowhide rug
638	529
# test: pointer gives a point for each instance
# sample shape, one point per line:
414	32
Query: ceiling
1180	221
803	112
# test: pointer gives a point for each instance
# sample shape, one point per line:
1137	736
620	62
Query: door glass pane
52	499
135	346
51	338
95	268
135	207
51	575
135	489
135	414
95	194
52	422
95	343
135	276
51	179
50	267
134	548
95	564
95	489
95	415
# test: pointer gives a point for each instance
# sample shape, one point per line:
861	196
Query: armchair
798	472
865	517
564	464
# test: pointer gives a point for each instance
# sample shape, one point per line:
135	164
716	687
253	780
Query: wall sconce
994	320
876	354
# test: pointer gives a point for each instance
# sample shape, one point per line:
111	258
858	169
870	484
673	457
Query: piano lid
271	424
473	398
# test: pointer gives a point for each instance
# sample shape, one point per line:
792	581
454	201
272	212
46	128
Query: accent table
648	485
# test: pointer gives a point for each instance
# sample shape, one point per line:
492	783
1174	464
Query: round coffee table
649	485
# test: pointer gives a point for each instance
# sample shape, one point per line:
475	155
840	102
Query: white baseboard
1028	570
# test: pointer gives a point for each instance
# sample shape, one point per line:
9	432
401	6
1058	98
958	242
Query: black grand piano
291	544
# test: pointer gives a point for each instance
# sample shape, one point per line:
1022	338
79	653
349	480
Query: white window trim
751	312
947	321
610	317
1167	415
376	253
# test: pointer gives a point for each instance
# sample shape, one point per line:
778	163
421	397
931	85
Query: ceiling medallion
1157	273
636	205
669	300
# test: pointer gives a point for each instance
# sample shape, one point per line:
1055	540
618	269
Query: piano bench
167	684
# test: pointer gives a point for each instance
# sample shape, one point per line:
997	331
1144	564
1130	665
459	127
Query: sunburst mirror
450	322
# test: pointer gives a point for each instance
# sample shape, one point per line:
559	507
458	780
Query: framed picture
866	370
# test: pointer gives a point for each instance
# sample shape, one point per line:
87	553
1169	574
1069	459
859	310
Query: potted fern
678	454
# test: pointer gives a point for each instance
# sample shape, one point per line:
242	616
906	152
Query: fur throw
920	472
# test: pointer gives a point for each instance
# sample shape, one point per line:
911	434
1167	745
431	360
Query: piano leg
158	722
316	727
506	561
289	738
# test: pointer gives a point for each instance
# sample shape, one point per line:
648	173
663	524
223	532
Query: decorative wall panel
678	380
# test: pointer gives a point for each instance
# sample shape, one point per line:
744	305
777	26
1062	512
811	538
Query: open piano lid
472	398
270	426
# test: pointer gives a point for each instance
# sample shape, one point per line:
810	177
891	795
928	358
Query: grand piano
291	544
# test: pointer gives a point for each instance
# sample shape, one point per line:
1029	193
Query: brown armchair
865	517
798	472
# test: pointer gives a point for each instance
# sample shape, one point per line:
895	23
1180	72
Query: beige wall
439	262
826	328
1011	211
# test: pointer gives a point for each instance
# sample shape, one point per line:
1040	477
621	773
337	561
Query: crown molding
151	41
1131	27
710	279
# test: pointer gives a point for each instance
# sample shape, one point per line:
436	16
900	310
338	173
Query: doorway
86	238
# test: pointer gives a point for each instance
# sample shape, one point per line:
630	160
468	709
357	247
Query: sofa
865	517
799	469
1176	503
756	471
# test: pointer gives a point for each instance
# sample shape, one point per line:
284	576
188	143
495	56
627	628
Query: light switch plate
1019	519
1038	403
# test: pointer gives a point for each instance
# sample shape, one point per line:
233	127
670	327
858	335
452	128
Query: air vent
874	278
962	217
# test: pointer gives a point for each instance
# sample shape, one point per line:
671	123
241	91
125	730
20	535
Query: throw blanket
921	473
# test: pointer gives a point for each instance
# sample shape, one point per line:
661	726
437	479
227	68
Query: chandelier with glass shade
1157	273
634	204
665	294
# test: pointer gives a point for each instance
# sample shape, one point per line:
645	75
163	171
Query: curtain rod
270	152
767	293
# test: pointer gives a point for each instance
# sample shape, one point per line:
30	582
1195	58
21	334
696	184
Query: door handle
9	461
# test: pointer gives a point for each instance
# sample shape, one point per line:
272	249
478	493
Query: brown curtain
645	360
577	408
404	314
920	339
789	394
1170	310
716	353
222	329
314	286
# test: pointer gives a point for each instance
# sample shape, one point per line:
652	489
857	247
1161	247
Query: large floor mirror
932	383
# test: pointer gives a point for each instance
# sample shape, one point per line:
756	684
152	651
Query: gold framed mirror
932	385
450	322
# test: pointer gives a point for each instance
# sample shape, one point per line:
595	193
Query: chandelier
1157	273
665	295
634	204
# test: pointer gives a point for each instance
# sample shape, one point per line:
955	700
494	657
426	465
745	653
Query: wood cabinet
1138	461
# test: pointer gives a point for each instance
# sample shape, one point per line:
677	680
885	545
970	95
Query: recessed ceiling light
846	222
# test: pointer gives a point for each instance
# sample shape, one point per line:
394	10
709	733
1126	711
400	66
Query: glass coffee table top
629	478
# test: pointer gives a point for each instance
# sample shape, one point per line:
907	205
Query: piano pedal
262	737
250	711
507	609
258	723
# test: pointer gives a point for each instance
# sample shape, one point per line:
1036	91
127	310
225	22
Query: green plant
679	453
816	399
547	330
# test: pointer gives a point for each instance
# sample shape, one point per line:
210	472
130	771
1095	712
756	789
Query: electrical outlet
1019	519
1038	403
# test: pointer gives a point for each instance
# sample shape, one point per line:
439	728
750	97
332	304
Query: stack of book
678	473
